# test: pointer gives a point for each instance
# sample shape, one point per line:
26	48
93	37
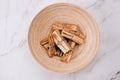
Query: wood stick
58	53
78	34
60	42
73	37
51	52
66	57
72	44
72	27
45	43
61	26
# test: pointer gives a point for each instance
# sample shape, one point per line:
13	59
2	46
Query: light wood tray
69	13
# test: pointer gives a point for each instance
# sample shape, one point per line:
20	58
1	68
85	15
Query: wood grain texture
69	13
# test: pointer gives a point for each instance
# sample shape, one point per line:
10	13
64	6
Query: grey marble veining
16	61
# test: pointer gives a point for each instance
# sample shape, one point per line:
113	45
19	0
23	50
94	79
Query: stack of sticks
62	40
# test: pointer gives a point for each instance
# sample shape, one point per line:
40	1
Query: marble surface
16	61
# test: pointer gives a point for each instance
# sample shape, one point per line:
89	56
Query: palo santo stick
57	26
45	43
46	46
78	34
72	44
58	53
67	34
51	50
70	26
51	40
60	42
61	26
66	57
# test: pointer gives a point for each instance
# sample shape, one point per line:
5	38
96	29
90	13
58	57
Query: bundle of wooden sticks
62	40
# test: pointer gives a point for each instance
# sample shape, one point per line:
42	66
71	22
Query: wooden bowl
69	13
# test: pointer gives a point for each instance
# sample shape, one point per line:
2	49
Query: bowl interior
68	13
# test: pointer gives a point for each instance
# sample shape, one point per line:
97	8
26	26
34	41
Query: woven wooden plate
63	12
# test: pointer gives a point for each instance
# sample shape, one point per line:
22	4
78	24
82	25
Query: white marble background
16	61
